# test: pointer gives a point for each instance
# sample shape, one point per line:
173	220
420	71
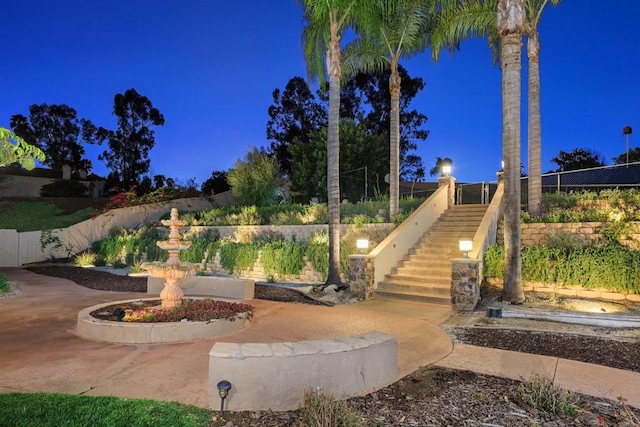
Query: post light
446	170
466	246
223	390
501	164
362	245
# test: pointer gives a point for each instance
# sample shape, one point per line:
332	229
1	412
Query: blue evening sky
211	66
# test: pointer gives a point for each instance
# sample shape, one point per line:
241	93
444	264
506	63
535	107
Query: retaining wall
276	375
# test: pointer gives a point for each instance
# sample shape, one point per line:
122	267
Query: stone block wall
536	233
465	283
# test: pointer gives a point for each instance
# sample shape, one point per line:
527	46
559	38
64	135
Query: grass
32	216
62	410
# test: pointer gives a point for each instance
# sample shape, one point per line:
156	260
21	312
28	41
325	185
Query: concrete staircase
425	273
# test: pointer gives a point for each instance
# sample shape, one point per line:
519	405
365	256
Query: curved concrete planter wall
89	327
276	375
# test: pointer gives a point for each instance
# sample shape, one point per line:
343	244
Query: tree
256	180
58	131
294	115
372	89
390	31
14	149
325	23
128	157
357	148
510	24
534	10
216	184
579	158
634	156
440	163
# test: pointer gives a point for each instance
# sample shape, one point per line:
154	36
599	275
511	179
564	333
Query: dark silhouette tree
216	184
634	156
57	130
129	145
294	115
579	158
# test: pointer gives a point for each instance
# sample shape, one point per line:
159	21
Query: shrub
547	398
323	410
236	257
283	258
63	188
85	259
4	285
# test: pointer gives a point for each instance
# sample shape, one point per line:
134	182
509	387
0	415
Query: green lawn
31	216
61	410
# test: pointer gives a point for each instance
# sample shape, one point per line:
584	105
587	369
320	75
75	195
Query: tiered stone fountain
172	270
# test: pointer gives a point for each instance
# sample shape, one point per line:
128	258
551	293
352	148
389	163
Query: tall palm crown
389	31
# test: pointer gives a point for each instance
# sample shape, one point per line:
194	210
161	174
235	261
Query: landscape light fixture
223	390
362	245
446	170
466	246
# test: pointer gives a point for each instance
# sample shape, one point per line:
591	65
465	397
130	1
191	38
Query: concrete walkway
39	350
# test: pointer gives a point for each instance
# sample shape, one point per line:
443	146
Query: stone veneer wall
535	234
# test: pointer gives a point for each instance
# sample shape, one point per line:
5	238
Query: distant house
17	182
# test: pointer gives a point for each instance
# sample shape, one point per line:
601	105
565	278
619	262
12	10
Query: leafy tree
18	151
216	184
294	115
369	96
390	31
58	131
256	180
159	181
129	145
440	163
634	156
579	158
357	147
325	22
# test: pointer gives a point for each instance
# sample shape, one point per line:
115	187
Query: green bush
4	285
323	410
63	188
236	257
613	267
282	258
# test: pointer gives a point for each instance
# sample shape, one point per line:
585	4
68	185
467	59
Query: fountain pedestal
172	270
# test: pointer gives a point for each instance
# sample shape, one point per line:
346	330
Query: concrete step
420	289
417	281
411	296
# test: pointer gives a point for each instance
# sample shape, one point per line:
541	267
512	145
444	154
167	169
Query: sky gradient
210	67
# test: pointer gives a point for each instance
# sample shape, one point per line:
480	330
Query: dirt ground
443	397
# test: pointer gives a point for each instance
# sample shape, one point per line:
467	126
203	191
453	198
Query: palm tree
325	23
510	24
391	30
534	10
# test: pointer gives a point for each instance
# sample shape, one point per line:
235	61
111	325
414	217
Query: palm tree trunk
394	142
534	128
333	157
510	24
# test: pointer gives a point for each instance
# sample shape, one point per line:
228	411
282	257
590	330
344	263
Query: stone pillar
361	280
465	284
451	192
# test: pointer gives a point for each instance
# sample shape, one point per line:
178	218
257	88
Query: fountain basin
89	327
165	271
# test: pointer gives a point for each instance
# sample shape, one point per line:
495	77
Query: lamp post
223	390
362	245
465	246
626	131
